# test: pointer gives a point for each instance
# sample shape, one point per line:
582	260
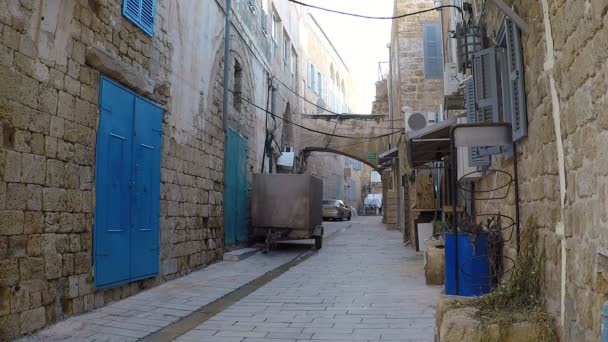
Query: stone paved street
362	286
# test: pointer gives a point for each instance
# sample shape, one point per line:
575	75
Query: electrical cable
311	129
373	17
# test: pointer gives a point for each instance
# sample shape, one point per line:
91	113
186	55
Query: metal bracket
509	12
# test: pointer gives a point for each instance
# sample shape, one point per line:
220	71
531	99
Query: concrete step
239	254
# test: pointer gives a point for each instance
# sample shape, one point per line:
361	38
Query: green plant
521	295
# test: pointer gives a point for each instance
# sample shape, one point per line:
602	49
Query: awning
431	143
388	155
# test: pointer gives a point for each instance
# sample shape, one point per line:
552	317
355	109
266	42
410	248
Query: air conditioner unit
415	121
465	172
286	160
451	79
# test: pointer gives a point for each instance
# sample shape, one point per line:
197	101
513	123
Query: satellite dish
416	121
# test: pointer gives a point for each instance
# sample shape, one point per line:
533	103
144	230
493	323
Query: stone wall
48	114
410	90
562	170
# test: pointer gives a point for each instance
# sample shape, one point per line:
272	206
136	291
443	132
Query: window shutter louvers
516	77
475	157
486	91
141	13
433	63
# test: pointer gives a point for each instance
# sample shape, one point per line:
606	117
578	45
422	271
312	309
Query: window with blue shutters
431	38
141	13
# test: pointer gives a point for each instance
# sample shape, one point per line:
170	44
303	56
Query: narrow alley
362	286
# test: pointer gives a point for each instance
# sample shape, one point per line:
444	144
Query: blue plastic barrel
474	277
604	323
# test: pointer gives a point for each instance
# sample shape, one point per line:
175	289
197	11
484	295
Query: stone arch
307	150
243	120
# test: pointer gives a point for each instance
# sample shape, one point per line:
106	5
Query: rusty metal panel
287	201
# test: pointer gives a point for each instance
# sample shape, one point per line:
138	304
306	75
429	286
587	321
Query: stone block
31	268
57	127
65	106
2	195
5	306
20	298
9	327
52	266
40	122
56	79
53	199
71	176
12	167
70	286
11	222
74	200
66	223
34	245
82	262
28	92
37	144
72	85
55	173
33	222
17	193
67	267
17	246
21	141
9	272
50	146
34	197
86	178
32	320
33	168
47	101
65	150
3	247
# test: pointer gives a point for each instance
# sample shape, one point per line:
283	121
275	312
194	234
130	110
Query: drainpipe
226	80
226	73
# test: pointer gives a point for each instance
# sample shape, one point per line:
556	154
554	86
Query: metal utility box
288	206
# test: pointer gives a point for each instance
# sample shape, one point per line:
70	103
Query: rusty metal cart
287	207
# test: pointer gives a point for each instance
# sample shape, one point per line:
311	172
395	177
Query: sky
362	43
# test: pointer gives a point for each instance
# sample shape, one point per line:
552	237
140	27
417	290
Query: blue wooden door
113	179
235	191
127	170
146	189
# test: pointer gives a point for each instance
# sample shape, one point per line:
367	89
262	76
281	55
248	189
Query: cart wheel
318	242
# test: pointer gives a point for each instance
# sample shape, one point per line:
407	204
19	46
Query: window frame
137	19
426	54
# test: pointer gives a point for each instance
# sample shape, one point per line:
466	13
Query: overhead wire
308	128
374	17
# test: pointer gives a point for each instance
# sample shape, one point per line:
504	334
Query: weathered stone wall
565	54
48	110
410	90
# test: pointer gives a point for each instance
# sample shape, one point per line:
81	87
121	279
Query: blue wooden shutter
141	13
112	185
433	62
145	189
475	157
516	76
486	91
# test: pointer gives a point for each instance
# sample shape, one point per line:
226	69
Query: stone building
547	77
111	121
415	89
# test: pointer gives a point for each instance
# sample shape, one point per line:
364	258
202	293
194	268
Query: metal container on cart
287	207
